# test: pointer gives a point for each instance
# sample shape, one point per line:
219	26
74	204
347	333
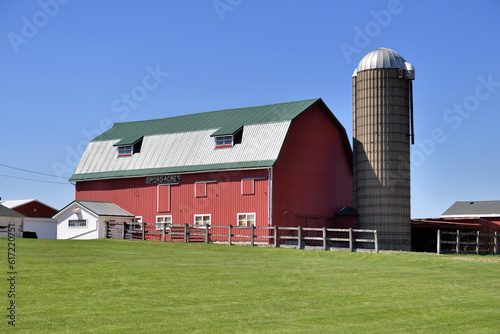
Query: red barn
286	164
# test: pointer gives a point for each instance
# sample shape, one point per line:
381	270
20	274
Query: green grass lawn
116	286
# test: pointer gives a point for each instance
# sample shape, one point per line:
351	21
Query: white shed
86	219
10	221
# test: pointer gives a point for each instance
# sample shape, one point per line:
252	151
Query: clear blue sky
69	69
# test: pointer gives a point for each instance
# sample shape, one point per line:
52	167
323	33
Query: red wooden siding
222	196
312	178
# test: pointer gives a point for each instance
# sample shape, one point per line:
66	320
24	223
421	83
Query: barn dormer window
124	151
224	141
127	147
228	136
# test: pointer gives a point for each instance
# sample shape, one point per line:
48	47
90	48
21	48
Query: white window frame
77	220
136	224
159	226
204	224
125	150
224	141
239	220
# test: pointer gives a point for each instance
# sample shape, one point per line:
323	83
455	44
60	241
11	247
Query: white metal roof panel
260	142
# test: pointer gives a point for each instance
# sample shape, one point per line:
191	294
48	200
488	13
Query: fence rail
467	242
291	237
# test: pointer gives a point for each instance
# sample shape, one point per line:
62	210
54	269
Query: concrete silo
382	131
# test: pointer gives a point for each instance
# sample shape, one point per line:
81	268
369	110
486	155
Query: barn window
202	220
136	224
125	150
163	222
163	198
246	219
248	184
200	188
223	141
77	223
228	136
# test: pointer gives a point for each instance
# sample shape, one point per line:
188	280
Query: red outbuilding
287	164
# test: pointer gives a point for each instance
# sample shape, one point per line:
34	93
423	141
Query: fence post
164	232
186	232
229	235
206	233
124	230
375	237
458	241
106	229
143	236
325	246
439	242
496	243
299	237
252	228
275	236
351	248
477	243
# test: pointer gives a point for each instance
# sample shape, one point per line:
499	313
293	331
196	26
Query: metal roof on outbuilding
473	209
99	208
6	212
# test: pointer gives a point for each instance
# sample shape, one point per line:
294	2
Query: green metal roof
226	130
171	170
227	121
130	140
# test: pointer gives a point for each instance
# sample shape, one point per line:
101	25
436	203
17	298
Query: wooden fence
467	242
292	237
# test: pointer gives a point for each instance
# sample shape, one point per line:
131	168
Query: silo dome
385	58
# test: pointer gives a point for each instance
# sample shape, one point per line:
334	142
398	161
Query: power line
28	171
24	178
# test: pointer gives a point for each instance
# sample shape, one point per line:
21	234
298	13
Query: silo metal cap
385	58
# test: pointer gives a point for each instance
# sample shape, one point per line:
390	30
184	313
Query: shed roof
6	212
99	208
185	143
473	209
